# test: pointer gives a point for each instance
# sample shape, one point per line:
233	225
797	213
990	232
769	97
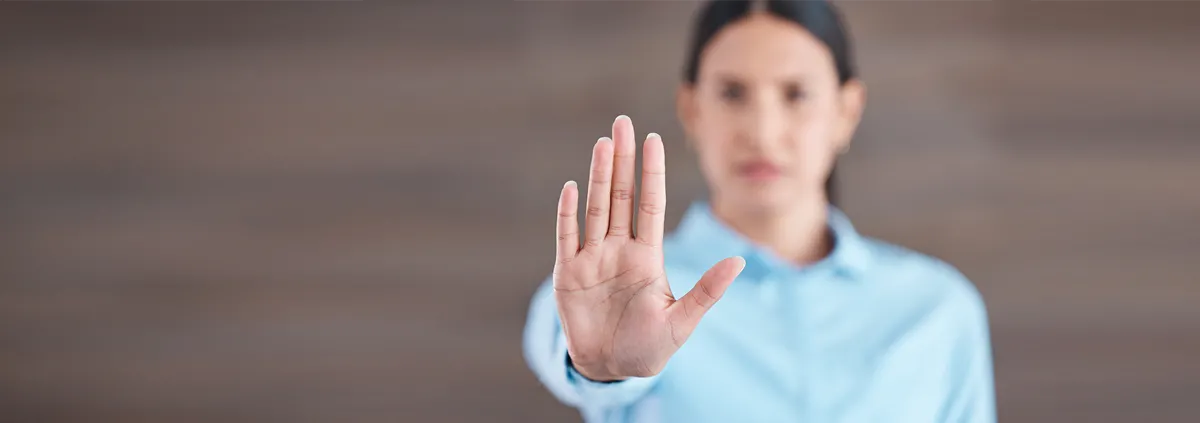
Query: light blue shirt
871	333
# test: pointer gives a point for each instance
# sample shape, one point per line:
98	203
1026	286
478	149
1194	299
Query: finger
568	223
652	204
685	314
621	220
599	192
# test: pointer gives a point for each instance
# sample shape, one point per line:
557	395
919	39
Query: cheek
813	138
713	140
715	154
815	141
814	125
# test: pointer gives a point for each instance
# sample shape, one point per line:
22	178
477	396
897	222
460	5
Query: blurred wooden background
336	212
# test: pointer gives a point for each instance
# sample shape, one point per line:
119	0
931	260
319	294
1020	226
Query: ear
685	109
853	97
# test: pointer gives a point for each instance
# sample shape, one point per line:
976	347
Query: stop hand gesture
616	307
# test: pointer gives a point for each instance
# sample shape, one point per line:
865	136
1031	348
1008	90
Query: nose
765	124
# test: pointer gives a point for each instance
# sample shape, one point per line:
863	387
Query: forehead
765	45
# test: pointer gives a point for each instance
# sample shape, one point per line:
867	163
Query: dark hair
819	17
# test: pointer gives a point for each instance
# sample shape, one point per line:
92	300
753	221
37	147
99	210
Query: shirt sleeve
546	353
973	399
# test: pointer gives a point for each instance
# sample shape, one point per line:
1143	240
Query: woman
822	325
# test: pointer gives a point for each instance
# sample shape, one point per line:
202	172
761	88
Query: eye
733	92
793	93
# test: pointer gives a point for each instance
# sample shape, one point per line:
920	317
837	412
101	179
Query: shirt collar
708	241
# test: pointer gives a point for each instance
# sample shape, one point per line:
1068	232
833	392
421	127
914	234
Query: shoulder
908	270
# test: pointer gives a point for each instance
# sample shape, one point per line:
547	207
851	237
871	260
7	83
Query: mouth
759	171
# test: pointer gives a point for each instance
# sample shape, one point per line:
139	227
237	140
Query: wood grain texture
337	212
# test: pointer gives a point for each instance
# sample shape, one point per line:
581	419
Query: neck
798	233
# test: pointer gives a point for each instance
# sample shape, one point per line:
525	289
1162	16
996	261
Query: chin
765	199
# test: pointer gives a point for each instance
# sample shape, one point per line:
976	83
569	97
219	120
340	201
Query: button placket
799	293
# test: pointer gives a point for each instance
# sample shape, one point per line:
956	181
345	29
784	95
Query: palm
616	308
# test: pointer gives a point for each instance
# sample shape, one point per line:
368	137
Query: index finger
568	223
653	203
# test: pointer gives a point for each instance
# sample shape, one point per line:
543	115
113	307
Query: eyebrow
726	77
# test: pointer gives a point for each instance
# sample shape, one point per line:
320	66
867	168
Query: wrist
592	373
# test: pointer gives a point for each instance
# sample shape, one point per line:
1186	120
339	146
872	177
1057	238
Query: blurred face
767	116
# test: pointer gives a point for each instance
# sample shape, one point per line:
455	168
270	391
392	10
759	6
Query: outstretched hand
616	307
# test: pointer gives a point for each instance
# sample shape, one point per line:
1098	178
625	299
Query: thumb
685	313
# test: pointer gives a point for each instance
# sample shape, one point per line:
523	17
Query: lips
759	170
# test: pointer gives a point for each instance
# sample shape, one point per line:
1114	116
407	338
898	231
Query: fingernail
653	135
741	264
621	117
569	184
